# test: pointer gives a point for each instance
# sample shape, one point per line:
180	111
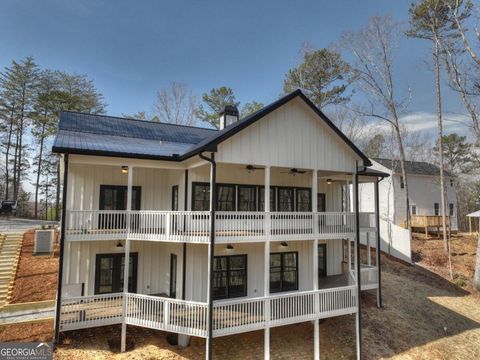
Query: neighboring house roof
411	167
112	136
474	214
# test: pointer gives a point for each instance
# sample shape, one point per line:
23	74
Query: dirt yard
36	278
424	316
431	255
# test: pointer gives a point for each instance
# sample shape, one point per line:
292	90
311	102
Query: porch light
119	244
284	244
230	247
329	181
124	169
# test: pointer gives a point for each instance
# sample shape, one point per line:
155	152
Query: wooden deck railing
194	226
191	318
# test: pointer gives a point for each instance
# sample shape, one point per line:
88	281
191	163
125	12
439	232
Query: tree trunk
15	159
436	62
7	152
476	276
404	174
39	167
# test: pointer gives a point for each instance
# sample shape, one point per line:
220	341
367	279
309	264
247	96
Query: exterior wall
236	174
84	185
291	136
154	265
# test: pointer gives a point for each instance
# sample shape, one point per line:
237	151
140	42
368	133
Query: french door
322	260
109	270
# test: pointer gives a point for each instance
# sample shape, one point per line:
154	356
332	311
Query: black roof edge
273	106
62	150
373	173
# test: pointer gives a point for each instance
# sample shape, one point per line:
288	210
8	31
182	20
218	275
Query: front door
173	276
109	270
322	260
114	197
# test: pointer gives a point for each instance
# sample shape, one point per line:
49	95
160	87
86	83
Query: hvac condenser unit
44	241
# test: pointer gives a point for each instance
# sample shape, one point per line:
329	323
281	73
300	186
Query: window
247	198
229	276
261	199
201	197
451	208
435	209
175	198
283	271
414	210
173	276
285	199
226	197
109	273
303	200
114	197
451	182
322	260
321	202
402	184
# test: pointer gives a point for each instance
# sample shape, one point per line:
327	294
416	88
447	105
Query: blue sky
133	48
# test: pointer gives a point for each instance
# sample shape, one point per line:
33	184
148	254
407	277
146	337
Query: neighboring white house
424	199
226	231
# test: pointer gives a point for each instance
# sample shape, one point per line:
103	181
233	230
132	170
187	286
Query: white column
266	285
127	258
316	322
357	315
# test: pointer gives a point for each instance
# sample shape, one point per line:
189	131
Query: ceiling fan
251	168
295	171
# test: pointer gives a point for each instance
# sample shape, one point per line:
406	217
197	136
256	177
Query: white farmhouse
424	199
225	231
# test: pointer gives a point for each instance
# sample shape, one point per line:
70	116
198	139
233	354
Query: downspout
359	283
213	197
184	262
62	250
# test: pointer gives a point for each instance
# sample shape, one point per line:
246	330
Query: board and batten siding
153	275
154	264
291	136
156	185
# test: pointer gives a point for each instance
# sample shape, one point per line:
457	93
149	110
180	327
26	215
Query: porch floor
333	281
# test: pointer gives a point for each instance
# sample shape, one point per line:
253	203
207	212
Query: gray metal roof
100	134
411	167
113	136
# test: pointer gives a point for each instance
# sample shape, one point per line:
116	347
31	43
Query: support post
316	322
369	257
58	304
378	252
357	265
184	261
211	251
126	264
266	267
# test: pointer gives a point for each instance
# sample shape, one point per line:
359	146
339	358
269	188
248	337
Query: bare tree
349	120
176	104
372	49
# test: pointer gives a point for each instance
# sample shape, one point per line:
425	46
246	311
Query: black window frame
280	189
414	210
234	196
298	190
282	271
175	198
239	198
451	209
273	198
173	280
116	272
436	209
402	183
138	199
228	272
206	199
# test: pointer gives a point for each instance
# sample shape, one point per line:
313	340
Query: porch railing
194	226
191	318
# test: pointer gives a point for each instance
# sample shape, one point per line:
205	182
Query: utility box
44	241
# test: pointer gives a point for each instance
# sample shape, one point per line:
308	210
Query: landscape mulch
36	278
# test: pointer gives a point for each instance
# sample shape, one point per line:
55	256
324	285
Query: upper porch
171	202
